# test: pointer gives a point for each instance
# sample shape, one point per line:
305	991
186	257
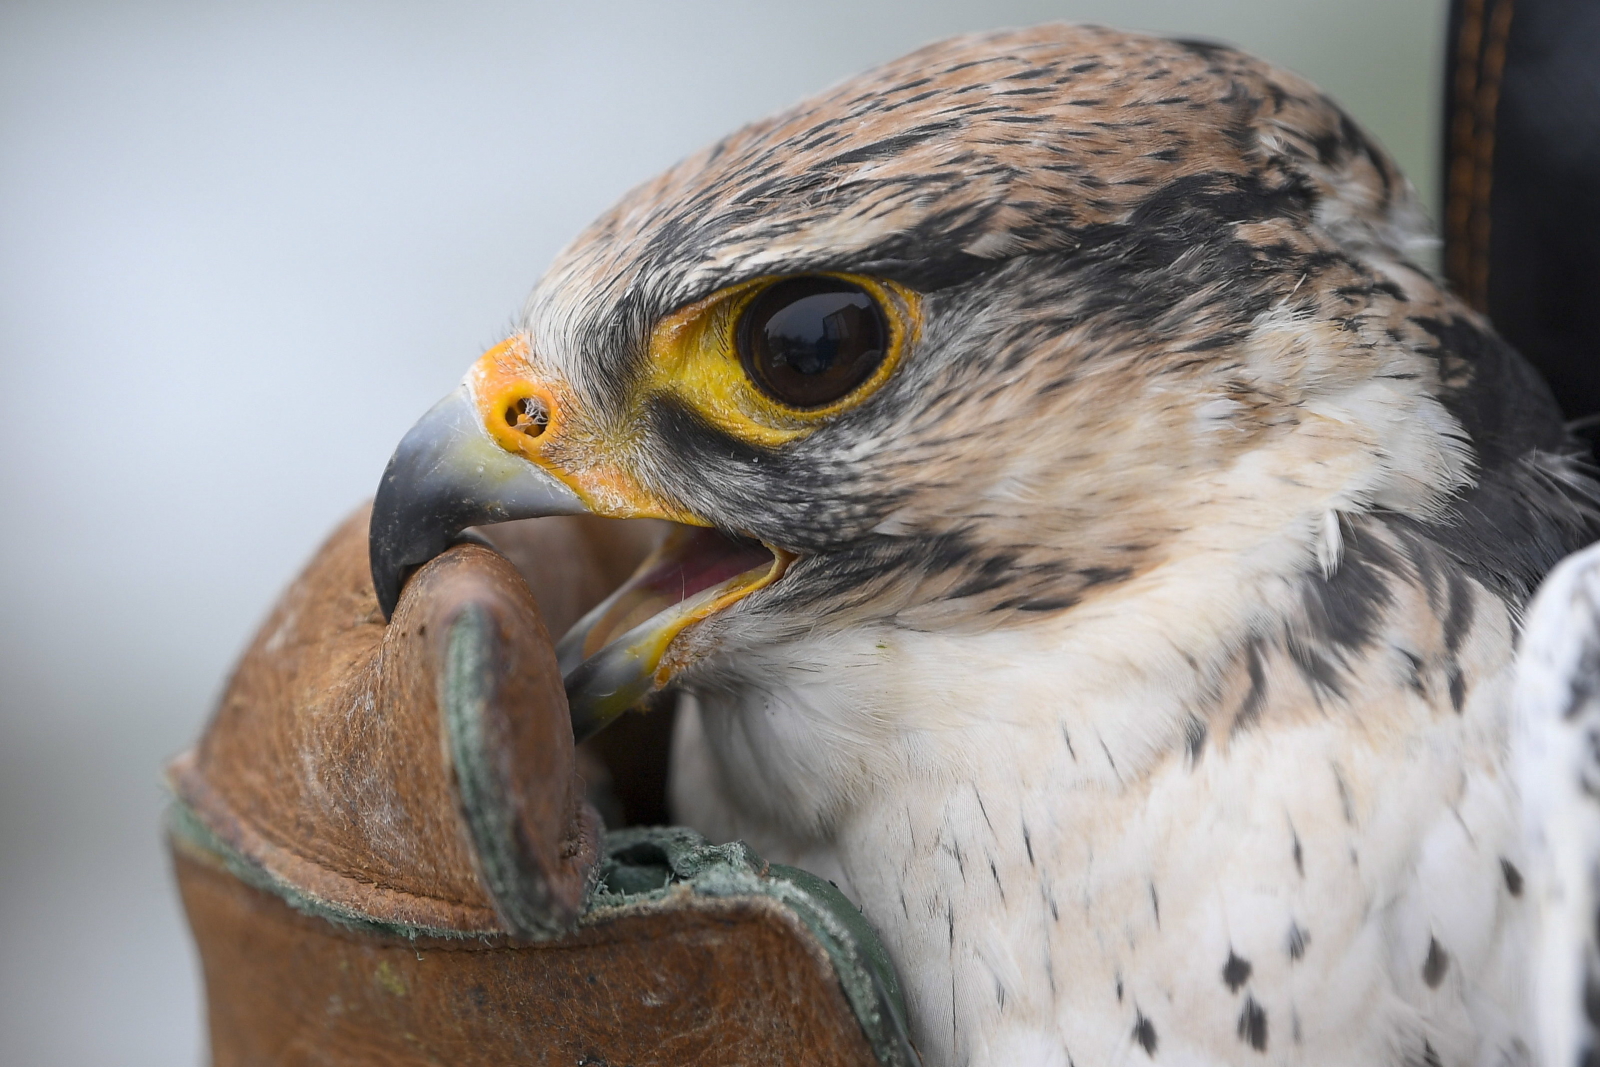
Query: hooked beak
450	473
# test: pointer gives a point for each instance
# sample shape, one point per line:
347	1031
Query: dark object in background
1521	216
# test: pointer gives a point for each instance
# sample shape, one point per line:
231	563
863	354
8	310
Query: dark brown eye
807	342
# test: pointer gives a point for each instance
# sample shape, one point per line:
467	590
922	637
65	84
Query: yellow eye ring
697	357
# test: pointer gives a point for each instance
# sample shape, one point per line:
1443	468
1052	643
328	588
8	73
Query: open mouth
449	475
614	656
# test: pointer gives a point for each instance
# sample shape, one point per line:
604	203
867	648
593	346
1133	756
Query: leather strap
1522	181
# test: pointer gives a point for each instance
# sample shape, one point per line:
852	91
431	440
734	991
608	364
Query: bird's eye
807	342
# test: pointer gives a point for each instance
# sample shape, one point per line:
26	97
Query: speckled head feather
1143	260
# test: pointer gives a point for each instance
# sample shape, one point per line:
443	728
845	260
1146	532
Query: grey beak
446	475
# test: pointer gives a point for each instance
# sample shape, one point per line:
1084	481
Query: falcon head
976	341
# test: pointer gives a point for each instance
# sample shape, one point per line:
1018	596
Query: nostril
528	415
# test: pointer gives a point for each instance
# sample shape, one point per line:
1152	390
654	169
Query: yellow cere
694	356
502	384
529	417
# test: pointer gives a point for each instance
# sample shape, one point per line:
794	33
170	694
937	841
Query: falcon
1100	547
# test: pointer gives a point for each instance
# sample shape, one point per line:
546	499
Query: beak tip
388	574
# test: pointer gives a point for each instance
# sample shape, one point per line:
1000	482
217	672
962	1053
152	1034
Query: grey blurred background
242	247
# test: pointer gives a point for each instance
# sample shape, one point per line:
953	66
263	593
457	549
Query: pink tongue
694	558
691	560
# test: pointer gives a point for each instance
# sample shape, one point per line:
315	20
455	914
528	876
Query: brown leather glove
387	857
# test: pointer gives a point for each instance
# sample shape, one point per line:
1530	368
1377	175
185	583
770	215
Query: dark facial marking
672	420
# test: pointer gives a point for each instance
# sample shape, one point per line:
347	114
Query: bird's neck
805	731
1027	815
968	791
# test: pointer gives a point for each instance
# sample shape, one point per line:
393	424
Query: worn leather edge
835	926
199	839
718	878
326	892
870	982
261	942
516	882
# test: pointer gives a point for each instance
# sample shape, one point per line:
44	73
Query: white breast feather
1056	878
